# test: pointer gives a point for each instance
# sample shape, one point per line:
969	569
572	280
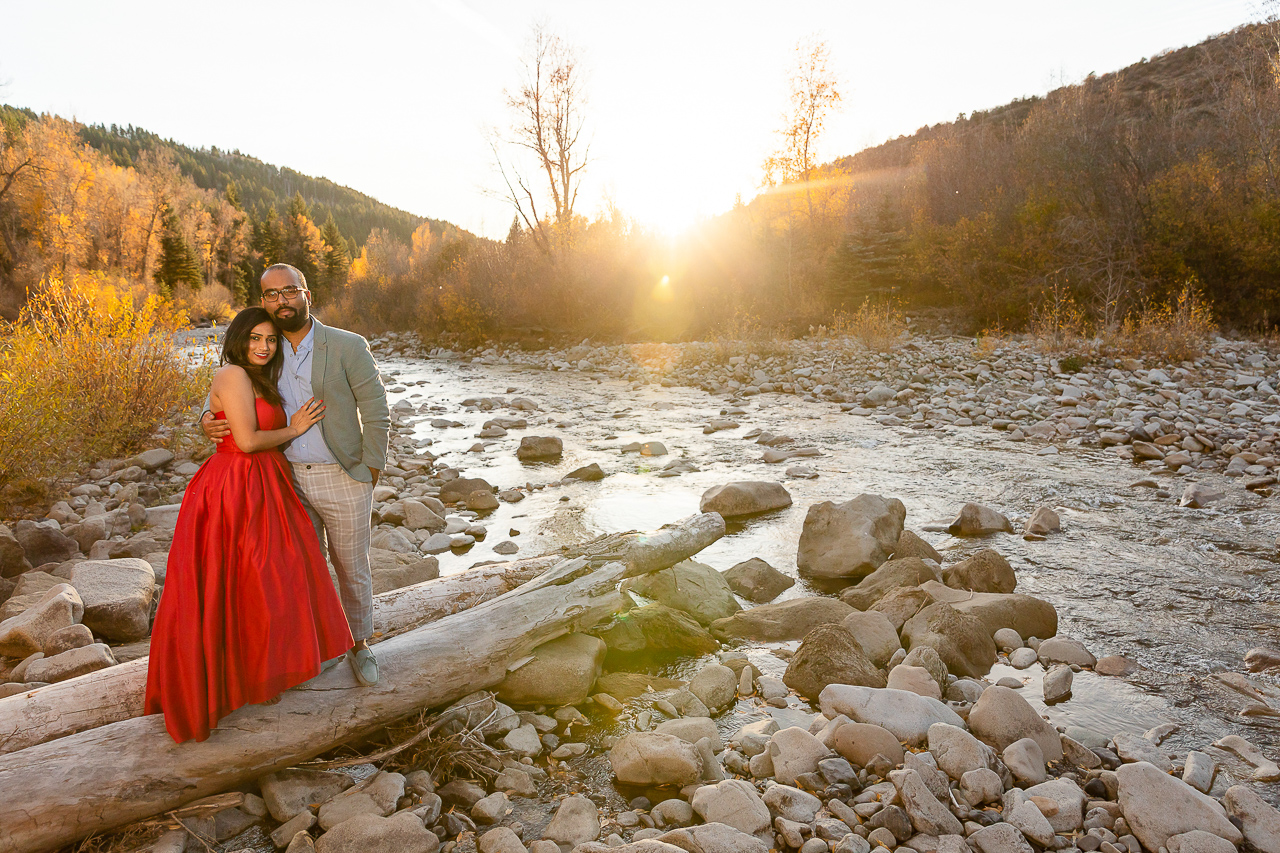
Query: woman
248	609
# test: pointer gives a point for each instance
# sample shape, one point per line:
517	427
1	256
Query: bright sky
393	98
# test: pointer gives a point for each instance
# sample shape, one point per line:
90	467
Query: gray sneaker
364	665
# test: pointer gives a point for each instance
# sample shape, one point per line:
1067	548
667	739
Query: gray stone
692	730
396	570
958	752
576	821
501	839
830	654
1001	717
535	447
963	643
1158	806
860	743
978	520
66	639
460	488
792	803
795	752
43	544
672	812
1131	747
1199	841
911	545
783	620
915	679
715	686
365	833
71	664
117	597
1057	684
1065	650
491	809
1071	800
907	715
689	586
999	838
289	792
745	498
707	838
1026	816
1043	522
757	581
1259	819
874	633
284	833
850	539
927	814
523	741
648	758
588	473
981	786
13	560
898	573
376	798
733	802
1025	760
562	672
54	609
985	571
153	459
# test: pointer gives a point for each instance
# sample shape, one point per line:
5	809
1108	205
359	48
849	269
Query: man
336	463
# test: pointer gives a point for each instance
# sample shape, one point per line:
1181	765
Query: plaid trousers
341	507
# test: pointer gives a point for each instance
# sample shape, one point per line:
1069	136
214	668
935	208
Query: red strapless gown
248	608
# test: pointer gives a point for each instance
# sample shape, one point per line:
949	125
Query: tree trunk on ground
104	778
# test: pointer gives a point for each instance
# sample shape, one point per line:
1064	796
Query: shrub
1176	330
876	325
87	372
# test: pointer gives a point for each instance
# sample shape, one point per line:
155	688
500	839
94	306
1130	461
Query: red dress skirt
248	608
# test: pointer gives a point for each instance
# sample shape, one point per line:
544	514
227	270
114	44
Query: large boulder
895	574
1260	821
288	793
117	597
960	640
985	571
851	539
734	802
1158	806
783	620
757	581
535	447
1030	617
461	488
657	627
649	758
1001	717
561	673
745	498
901	604
715	686
43	543
393	570
829	655
28	632
978	520
693	587
907	715
28	592
875	634
911	545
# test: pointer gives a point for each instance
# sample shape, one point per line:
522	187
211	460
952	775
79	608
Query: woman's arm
232	392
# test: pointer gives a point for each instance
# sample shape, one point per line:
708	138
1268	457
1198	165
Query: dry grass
86	373
1058	324
878	326
212	302
1175	331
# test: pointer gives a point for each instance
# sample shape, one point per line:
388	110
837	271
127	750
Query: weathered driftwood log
107	777
115	694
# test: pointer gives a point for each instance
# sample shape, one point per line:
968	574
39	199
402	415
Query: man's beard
292	324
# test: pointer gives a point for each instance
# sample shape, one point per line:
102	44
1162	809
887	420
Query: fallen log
98	780
115	694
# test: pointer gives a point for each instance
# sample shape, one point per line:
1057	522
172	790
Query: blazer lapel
319	359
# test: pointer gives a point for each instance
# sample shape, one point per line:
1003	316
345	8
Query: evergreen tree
178	263
302	242
336	260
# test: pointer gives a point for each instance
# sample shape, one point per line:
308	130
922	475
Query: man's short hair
298	278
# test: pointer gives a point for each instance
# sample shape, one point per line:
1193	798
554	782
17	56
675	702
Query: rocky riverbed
1134	499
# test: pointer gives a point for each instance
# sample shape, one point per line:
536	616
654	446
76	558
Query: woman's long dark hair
235	350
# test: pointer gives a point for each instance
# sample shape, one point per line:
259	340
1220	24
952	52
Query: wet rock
1157	806
1198	772
648	758
362	833
911	545
744	498
562	672
1265	770
1260	821
1001	717
26	633
588	473
715	686
795	752
1115	665
1041	523
782	620
289	792
690	586
875	634
576	821
43	544
458	489
850	539
978	520
1065	650
893	575
735	803
907	715
534	447
1057	684
481	501
1030	617
985	571
859	743
962	642
957	752
757	581
830	654
658	628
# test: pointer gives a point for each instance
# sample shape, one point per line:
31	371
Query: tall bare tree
815	94
548	117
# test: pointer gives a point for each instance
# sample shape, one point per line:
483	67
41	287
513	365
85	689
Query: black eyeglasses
274	295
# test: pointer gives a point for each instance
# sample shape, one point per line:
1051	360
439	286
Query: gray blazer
356	419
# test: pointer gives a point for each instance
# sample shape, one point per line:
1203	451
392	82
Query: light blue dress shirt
295	388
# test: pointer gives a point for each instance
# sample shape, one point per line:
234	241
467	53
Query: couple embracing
248	608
